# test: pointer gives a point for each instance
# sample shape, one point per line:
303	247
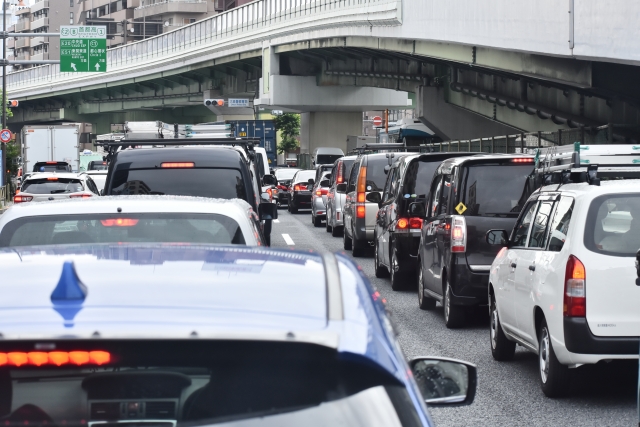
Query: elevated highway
470	68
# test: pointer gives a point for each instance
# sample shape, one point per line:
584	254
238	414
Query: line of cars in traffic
517	233
158	304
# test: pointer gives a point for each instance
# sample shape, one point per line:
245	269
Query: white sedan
161	219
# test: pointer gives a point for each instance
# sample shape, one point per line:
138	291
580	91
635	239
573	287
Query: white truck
55	143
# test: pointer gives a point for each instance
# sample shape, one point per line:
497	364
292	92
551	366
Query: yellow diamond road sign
461	208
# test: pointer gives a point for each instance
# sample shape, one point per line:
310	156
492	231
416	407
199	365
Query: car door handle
532	267
514	265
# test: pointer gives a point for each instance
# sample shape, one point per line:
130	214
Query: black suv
397	234
468	197
209	171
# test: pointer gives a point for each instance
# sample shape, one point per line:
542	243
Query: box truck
55	143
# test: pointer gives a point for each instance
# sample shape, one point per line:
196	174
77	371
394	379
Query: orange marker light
403	223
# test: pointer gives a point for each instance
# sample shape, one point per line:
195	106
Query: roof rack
112	146
375	147
586	163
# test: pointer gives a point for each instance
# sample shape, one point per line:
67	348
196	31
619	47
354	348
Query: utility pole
4	87
124	31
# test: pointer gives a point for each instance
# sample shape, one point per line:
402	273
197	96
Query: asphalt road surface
508	393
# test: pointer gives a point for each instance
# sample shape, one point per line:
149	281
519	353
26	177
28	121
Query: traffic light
12	103
214	102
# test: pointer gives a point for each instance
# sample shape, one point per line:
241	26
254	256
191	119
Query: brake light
409	224
525	160
178	165
119	222
22	199
360	211
80	196
458	234
297	187
575	296
52	178
340	177
322	192
57	358
52	163
360	195
415	223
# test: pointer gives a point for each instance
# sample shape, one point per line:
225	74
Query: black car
52	166
283	177
300	190
397	234
468	197
208	171
97	165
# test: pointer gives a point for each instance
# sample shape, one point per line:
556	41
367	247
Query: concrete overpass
471	68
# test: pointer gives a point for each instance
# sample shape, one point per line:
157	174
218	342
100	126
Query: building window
71	18
186	21
70	3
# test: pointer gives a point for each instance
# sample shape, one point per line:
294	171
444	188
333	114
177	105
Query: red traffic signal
12	103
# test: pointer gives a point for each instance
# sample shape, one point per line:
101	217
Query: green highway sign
83	48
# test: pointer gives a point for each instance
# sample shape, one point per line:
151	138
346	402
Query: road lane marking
288	239
277	221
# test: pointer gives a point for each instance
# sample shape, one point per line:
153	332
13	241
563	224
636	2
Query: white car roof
41	175
605	187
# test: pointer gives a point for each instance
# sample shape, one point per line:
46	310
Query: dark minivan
214	172
397	233
468	197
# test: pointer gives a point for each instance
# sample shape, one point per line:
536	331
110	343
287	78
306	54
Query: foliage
289	126
13	151
9	112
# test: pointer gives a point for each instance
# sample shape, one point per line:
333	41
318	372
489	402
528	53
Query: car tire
337	231
292	208
317	222
424	302
501	348
359	248
379	270
346	241
554	376
453	314
398	279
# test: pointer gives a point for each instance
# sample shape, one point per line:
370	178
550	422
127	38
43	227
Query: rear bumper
361	231
468	287
579	339
407	245
283	197
301	200
319	209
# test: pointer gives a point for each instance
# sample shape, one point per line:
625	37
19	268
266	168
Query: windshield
305	176
52	185
197	383
613	225
494	189
97	166
200	182
285	173
327	159
108	228
376	177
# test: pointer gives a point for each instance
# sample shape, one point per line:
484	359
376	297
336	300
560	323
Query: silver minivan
337	195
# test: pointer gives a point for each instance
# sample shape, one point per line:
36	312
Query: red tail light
57	358
360	211
297	187
322	192
575	296
340	177
409	224
178	165
80	196
360	195
52	178
22	199
52	163
270	192
525	160
415	223
458	234
119	222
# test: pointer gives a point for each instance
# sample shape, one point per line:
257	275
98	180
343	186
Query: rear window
496	189
613	225
51	167
327	159
52	186
98	166
305	176
285	174
375	173
136	228
200	182
194	383
418	178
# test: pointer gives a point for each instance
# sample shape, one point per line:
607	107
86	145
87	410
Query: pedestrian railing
261	17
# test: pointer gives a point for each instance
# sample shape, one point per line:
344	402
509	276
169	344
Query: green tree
13	151
289	126
9	112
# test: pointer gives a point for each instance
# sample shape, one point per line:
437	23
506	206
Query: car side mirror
497	237
341	188
269	180
417	209
325	183
445	382
387	169
373	197
267	210
311	182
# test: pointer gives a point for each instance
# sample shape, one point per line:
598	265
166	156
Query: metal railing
529	142
148	3
245	19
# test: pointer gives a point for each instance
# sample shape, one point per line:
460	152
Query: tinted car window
613	225
538	237
49	167
418	178
375	173
52	186
494	189
353	174
201	182
97	166
105	228
346	166
327	159
560	224
521	231
387	195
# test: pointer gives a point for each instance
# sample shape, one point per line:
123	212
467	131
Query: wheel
337	231
453	314
424	302
317	222
380	271
359	248
328	228
554	376
398	280
292	208
501	347
346	241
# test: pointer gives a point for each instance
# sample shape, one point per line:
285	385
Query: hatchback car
397	234
565	283
468	197
319	199
283	177
47	186
300	190
337	194
130	219
162	335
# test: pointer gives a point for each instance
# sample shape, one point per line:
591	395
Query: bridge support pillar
328	129
451	122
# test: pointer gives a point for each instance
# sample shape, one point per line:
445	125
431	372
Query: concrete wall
328	129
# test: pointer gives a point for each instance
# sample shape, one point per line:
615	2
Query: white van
326	155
